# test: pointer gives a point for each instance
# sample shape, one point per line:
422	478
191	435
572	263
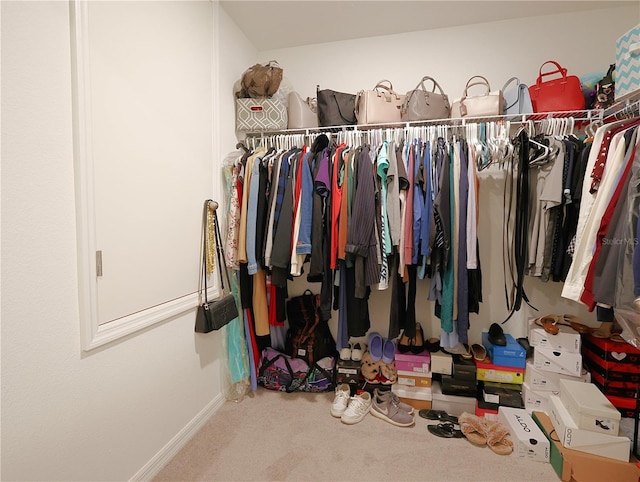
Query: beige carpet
278	436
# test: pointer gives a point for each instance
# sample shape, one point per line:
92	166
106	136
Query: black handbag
335	108
213	315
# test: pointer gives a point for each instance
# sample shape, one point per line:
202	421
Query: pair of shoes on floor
480	431
350	410
386	406
414	344
353	352
381	349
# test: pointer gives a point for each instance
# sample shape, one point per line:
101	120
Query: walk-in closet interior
119	139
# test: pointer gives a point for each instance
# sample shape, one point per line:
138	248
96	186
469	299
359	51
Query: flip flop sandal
479	352
438	415
577	325
498	439
548	323
445	430
474	428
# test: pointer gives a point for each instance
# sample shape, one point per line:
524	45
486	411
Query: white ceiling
280	24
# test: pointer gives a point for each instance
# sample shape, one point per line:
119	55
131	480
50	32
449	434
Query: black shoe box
459	387
464	368
491	395
348	371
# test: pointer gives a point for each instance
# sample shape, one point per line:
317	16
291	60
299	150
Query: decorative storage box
511	355
260	115
596	443
611	371
628	64
589	408
528	440
487	371
611	351
409	362
567	339
452	404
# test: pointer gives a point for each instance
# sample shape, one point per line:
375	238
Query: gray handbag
421	104
516	100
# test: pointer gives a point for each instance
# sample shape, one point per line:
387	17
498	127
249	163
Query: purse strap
210	204
519	97
482	81
560	70
435	84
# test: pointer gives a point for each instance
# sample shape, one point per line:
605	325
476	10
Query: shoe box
442	363
511	355
615	389
418	397
556	361
461	387
611	351
529	441
464	368
592	442
488	371
452	404
611	371
501	394
573	465
544	380
414	379
410	362
348	371
536	400
567	339
488	413
589	407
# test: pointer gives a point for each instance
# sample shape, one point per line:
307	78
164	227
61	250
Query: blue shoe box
511	355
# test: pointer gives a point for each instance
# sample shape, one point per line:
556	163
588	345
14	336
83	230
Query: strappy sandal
438	415
445	430
474	428
498	439
549	323
575	323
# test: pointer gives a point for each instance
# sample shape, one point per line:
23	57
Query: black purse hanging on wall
213	315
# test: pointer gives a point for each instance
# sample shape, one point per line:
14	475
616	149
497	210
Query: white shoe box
567	339
417	393
595	443
589	408
557	361
528	440
537	400
541	380
441	363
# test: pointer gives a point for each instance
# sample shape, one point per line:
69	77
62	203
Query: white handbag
487	105
302	113
382	105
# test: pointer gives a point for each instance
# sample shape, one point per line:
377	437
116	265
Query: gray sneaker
391	412
388	394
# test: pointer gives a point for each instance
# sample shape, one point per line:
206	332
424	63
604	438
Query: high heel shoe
418	343
404	344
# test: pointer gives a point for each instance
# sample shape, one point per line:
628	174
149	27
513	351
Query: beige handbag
382	105
302	113
487	105
421	104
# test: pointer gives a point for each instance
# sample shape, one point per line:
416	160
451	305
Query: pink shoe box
409	362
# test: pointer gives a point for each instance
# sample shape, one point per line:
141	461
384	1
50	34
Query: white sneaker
341	400
358	408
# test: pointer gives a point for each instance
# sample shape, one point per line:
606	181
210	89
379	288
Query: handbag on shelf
421	104
260	115
488	104
561	94
335	108
301	113
516	99
605	90
382	105
213	315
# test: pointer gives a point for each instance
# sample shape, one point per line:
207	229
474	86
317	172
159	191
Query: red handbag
557	95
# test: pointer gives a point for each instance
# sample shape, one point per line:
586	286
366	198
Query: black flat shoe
524	343
496	335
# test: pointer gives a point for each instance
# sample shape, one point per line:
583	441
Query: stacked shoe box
413	385
615	370
555	357
458	388
585	420
348	371
489	373
529	441
500	377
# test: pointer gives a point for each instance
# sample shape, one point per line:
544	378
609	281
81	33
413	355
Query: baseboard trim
162	458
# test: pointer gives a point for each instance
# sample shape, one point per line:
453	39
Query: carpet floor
273	436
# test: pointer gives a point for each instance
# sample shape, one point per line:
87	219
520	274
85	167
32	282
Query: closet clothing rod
578	116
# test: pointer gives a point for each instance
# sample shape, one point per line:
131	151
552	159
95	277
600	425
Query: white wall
498	51
114	413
